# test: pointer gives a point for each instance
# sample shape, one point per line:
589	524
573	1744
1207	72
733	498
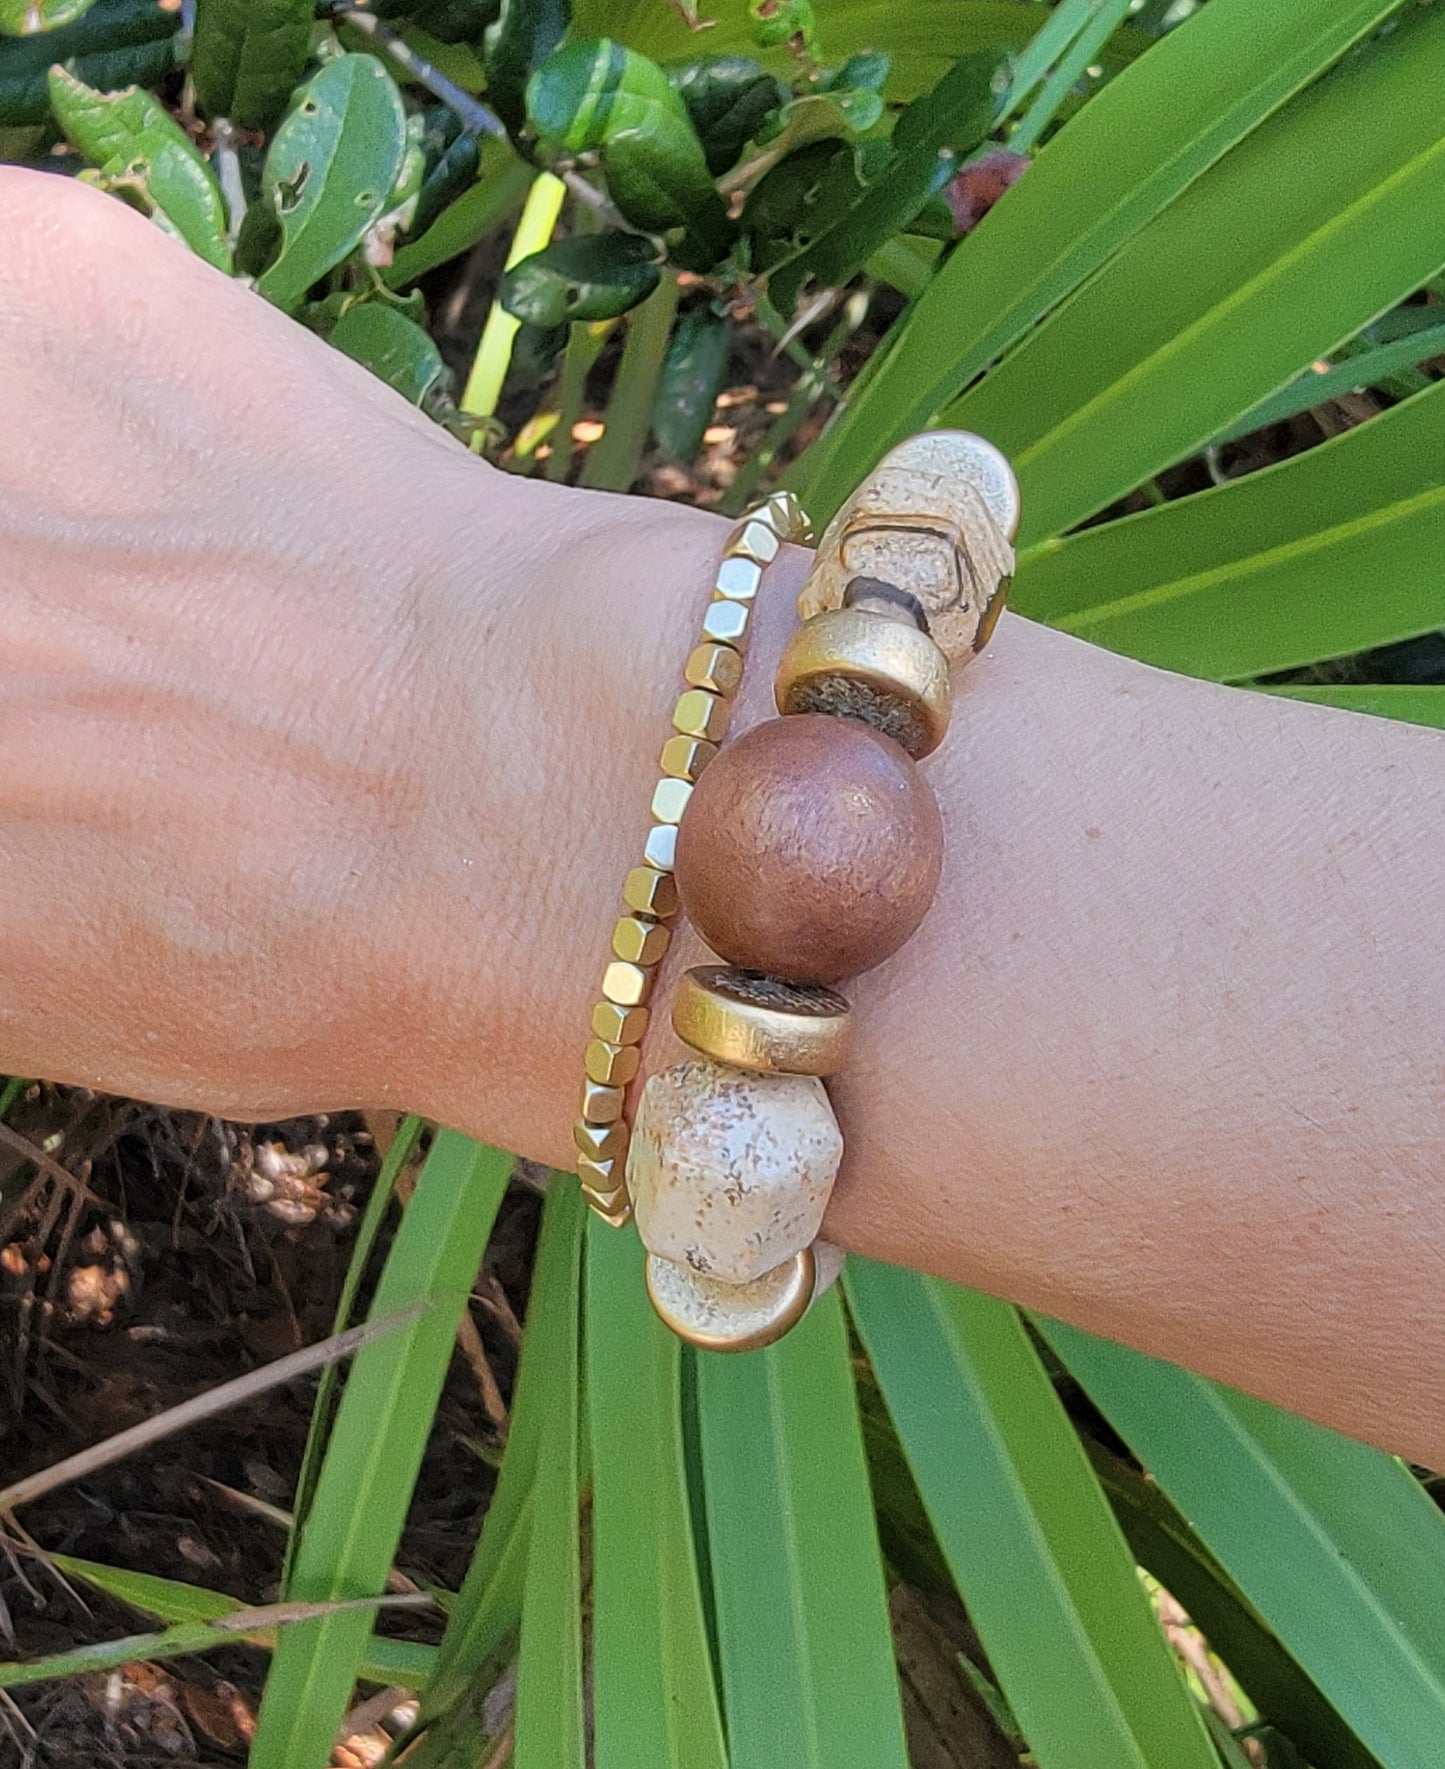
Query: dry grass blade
201	1406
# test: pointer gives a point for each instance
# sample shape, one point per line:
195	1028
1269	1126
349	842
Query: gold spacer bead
787	516
757	540
600	1142
649	892
669	800
716	667
751	1021
599	1176
616	1024
638	940
859	665
715	1316
601	1105
701	714
684	758
660	849
627	984
603	1189
738	579
726	622
613	1065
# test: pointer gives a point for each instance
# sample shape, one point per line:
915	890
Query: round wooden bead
811	849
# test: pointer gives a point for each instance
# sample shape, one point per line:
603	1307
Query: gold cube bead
628	985
758	541
661	847
615	1217
684	758
699	713
738	579
669	800
599	1176
616	1024
613	1065
787	516
639	940
726	622
601	1142
601	1105
649	892
750	1021
717	667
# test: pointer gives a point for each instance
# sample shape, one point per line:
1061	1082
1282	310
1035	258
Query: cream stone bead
730	1171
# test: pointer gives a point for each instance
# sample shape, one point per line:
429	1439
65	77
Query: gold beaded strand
712	675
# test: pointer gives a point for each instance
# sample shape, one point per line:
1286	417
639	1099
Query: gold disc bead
715	1316
752	1021
857	664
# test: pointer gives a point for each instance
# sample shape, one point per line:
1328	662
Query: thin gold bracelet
712	674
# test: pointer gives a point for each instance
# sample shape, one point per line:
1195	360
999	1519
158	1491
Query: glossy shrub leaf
248	55
25	18
523	35
794	201
1130	151
1335	551
802	1618
1326	216
116	43
729	99
840	106
776	22
479	211
550	1732
1334	1543
445	177
392	346
590	276
693	374
376	1448
140	150
595	95
654	1699
957	114
330	171
1027	1533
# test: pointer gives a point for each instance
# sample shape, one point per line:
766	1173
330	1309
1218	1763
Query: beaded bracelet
810	851
712	673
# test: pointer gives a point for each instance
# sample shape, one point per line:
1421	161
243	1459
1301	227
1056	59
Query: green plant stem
612	463
494	352
583	348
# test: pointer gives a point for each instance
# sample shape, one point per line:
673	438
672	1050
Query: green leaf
376	1447
782	21
796	200
492	201
1326	216
1266	573
392	346
1131	151
693	374
1098	24
1027	1532
141	150
957	114
550	1731
802	1618
248	56
654	1701
24	18
453	171
116	43
729	99
1385	700
176	1603
590	276
1335	1544
330	171
597	96
524	34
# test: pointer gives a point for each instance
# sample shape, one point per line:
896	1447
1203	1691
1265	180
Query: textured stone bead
730	1172
811	849
935	518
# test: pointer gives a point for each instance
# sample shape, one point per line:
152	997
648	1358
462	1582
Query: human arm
324	748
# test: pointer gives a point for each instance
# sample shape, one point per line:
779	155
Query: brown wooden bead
811	849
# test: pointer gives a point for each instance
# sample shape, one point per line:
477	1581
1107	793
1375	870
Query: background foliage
1233	213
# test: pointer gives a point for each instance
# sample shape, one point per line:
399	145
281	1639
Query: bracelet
810	851
712	674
